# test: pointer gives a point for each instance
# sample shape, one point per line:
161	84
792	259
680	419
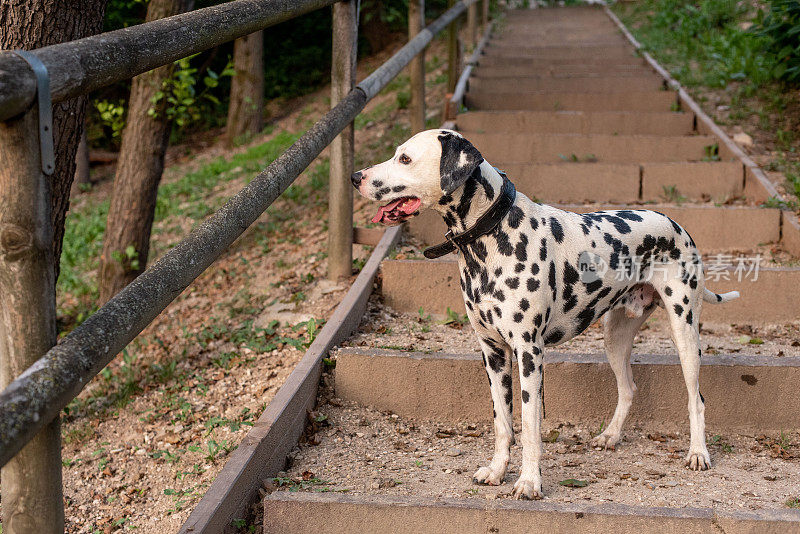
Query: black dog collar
485	224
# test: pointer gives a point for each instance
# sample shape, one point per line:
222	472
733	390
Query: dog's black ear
459	161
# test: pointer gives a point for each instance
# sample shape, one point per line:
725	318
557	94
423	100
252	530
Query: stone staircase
563	103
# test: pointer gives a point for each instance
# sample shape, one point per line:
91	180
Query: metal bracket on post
45	110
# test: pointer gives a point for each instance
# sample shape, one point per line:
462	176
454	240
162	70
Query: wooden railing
41	378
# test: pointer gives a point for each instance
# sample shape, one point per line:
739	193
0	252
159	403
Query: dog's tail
710	296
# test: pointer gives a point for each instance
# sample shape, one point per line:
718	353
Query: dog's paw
698	460
605	441
487	476
527	489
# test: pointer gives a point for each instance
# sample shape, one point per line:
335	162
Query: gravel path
366	452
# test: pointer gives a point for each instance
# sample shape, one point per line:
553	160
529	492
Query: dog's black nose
356	178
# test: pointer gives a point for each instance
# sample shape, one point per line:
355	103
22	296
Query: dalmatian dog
534	276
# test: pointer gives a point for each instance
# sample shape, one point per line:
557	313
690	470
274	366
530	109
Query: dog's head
431	165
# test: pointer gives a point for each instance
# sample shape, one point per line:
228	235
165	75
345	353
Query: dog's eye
404	159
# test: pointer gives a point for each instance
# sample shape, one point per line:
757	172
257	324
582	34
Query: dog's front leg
497	361
531	377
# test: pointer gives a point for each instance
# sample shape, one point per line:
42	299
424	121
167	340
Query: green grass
710	45
187	197
701	42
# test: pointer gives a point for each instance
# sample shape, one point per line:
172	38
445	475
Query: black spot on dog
557	230
678	310
525	396
518	268
668	291
554	337
513	283
527	363
503	244
524	304
689	317
533	284
398	188
521	249
518	317
515	217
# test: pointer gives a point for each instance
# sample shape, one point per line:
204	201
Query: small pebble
453	451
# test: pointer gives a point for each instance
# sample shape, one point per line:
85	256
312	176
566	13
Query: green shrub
704	42
780	27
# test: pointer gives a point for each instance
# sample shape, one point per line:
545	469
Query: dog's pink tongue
384	210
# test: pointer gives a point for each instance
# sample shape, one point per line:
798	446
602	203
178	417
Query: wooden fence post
472	25
485	9
340	199
416	22
452	52
31	481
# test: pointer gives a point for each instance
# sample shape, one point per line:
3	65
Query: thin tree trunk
141	162
246	109
32	212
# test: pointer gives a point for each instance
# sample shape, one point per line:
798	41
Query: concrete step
712	229
434	286
626	182
742	393
555	38
564	36
587	53
558	148
586	84
576	122
715	180
534	63
579	101
563	71
335	513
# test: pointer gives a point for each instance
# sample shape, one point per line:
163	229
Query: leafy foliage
705	42
780	27
183	101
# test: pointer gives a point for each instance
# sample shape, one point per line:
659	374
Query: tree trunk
141	163
81	164
246	108
34	24
32	212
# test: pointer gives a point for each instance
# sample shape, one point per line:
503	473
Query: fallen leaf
573	483
552	436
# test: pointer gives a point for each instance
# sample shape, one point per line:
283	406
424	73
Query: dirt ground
365	452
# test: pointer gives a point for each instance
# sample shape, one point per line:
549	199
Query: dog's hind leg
497	361
682	292
620	330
